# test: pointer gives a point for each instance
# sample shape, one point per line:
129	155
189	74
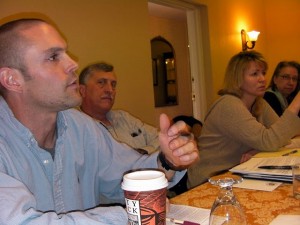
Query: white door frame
196	51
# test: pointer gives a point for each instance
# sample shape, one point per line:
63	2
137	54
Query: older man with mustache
98	83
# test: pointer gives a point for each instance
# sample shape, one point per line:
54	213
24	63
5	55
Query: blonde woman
241	120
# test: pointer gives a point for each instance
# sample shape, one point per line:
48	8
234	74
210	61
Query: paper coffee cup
145	196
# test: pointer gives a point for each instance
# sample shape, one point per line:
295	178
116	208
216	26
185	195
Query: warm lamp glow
253	35
248	37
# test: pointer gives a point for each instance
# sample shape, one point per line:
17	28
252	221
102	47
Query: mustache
108	96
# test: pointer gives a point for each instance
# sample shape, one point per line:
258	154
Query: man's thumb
164	123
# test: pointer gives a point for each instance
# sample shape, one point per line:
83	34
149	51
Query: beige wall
282	34
118	31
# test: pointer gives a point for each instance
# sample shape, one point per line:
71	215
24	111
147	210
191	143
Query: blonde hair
234	75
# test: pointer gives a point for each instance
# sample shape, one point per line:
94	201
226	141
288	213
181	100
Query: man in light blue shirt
97	86
56	165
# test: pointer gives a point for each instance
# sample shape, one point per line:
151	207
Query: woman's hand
248	155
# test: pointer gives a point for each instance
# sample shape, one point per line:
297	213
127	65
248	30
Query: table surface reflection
260	207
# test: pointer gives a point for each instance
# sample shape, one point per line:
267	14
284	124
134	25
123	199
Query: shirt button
46	161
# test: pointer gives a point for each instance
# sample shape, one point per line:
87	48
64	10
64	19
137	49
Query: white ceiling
166	12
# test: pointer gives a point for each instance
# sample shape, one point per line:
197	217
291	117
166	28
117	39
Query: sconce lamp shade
248	37
253	35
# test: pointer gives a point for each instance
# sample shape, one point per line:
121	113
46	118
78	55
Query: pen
276	167
289	153
181	222
175	221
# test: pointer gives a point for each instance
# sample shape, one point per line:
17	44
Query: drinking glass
226	209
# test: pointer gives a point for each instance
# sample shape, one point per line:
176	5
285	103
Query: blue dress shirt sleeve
87	171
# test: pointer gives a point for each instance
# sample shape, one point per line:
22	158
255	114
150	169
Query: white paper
258	185
286	219
188	213
250	168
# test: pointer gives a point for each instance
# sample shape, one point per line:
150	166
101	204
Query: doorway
191	80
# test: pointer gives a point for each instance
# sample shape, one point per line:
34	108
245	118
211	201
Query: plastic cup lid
144	180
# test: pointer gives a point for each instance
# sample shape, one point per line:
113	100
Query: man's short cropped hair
87	71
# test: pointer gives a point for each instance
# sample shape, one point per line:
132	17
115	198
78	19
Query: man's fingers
182	140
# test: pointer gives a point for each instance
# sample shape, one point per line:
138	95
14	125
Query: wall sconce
248	37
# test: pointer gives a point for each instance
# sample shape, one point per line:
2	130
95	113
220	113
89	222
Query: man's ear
10	79
82	89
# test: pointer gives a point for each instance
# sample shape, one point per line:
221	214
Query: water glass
226	209
296	181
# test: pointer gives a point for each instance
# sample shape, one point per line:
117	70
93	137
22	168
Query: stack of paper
183	214
250	168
